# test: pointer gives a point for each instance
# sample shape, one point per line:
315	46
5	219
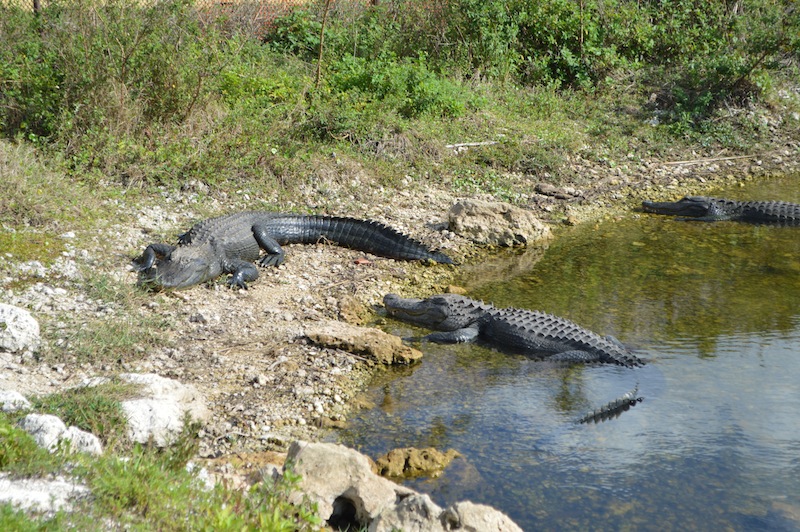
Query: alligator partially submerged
461	319
613	409
232	243
712	209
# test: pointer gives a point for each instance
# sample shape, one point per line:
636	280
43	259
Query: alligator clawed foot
271	260
237	284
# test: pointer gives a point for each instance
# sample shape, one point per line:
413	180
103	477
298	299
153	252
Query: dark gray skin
231	244
461	319
613	409
706	209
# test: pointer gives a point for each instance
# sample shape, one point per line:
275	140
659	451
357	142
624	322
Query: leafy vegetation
148	487
150	95
19	453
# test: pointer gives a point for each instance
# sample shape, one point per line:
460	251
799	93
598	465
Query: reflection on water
716	442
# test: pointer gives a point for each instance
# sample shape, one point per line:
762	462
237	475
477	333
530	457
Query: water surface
714	307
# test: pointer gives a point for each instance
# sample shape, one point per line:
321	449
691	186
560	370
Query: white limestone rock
416	513
45	429
348	494
158	415
19	331
49	432
471	517
12	401
340	479
82	442
40	495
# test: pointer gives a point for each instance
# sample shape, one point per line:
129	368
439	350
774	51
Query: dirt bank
245	350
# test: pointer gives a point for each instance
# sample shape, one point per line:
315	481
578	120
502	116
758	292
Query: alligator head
444	312
690	206
185	267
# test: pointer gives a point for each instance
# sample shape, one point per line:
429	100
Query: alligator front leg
242	271
459	336
150	254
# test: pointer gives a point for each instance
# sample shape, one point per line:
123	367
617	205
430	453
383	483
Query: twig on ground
470	144
712	159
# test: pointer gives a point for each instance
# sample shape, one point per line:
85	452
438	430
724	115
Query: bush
31	97
80	67
408	86
296	33
721	54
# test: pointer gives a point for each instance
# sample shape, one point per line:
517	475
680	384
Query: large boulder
496	223
471	517
19	331
340	480
158	416
348	494
415	513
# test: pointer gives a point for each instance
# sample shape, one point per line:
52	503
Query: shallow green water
715	308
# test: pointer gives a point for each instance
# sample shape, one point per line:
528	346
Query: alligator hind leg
275	254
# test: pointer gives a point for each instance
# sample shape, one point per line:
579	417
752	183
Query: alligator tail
613	409
363	235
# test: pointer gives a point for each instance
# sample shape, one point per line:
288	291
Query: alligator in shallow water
461	319
713	209
232	243
613	409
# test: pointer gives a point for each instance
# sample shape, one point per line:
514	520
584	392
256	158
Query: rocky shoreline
257	357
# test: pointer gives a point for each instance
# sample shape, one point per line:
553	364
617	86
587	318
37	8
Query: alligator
713	209
457	318
613	409
231	244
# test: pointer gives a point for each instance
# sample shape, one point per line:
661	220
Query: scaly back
777	212
555	329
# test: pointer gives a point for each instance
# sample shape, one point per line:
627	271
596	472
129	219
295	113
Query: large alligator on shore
458	318
231	244
714	209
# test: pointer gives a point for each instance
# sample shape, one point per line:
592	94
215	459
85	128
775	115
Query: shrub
82	66
408	86
296	33
31	97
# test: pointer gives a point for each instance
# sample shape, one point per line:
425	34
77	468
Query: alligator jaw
179	271
692	206
418	311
